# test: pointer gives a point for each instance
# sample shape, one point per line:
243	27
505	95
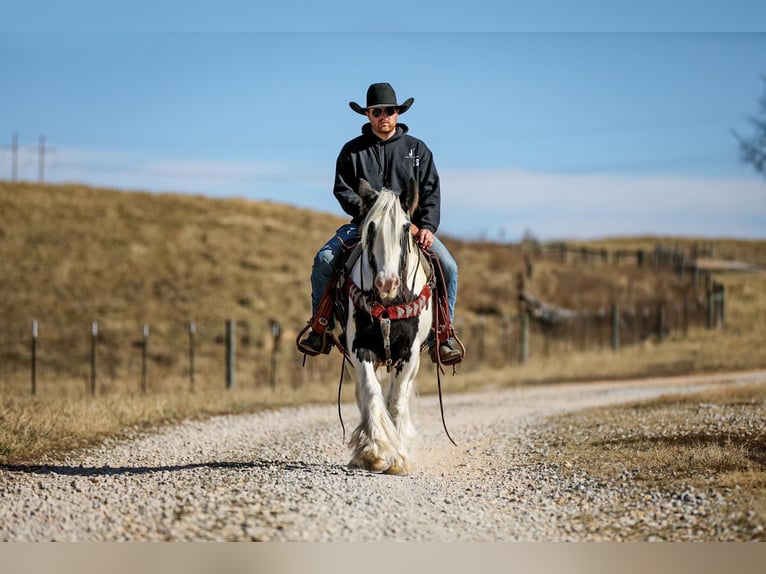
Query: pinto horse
389	318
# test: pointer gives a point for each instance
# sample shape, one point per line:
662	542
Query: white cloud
135	171
495	204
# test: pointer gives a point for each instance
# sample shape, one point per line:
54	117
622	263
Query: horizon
562	135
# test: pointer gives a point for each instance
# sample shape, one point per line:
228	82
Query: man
386	156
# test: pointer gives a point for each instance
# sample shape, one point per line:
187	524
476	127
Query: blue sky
565	119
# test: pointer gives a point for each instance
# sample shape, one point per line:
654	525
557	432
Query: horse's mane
386	202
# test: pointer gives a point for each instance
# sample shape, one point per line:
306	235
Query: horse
389	317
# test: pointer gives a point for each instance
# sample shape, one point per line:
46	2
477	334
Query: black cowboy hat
380	96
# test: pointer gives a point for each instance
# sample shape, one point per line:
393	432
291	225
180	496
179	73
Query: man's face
384	123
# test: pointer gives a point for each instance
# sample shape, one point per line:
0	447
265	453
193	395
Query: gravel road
281	476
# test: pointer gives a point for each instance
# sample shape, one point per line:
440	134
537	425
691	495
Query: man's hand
425	238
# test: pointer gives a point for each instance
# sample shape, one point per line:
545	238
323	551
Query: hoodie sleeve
428	214
343	187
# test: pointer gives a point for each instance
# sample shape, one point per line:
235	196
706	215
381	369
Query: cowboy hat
379	96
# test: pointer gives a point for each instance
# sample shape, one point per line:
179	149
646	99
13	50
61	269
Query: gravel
281	476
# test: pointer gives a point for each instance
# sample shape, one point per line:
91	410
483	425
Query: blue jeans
326	264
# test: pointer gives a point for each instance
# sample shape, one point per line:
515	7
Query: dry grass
31	428
709	439
72	254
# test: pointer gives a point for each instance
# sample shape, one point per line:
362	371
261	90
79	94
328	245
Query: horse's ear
367	193
410	198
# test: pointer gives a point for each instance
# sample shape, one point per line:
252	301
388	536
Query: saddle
333	304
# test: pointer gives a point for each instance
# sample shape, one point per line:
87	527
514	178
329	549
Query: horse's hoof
376	464
399	467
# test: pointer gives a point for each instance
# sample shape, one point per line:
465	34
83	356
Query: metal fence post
192	335
144	353
524	343
34	358
275	333
230	354
93	339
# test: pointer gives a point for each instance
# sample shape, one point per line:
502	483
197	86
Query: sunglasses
390	111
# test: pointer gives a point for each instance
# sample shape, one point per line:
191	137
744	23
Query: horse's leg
399	398
375	443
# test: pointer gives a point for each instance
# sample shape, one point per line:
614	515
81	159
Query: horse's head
386	236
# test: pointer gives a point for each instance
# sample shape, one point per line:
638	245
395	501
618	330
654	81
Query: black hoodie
388	164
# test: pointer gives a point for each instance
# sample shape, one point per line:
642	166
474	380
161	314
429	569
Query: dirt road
281	475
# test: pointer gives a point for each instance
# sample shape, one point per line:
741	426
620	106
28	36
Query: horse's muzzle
387	287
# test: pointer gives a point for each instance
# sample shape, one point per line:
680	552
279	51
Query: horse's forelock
386	206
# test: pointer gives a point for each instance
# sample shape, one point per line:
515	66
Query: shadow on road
63	470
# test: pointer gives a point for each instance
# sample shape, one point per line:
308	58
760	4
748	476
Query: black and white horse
389	318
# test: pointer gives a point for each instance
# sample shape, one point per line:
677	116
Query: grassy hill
70	255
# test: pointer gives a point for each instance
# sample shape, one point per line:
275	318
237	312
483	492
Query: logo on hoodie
415	159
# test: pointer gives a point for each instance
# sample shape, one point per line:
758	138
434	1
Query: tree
753	149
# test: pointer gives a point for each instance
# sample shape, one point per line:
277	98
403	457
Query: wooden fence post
34	358
615	327
230	354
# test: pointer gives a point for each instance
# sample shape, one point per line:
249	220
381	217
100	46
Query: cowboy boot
315	344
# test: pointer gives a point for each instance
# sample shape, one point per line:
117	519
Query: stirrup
327	342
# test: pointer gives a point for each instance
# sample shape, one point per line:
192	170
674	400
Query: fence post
722	310
192	334
710	308
275	333
615	327
480	338
507	337
524	343
660	322
34	358
93	338
144	353
230	354
601	319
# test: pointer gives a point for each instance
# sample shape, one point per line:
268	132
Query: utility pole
15	157
41	151
41	159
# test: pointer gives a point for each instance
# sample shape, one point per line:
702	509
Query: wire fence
106	357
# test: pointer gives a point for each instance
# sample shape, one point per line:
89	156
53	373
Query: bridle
371	304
